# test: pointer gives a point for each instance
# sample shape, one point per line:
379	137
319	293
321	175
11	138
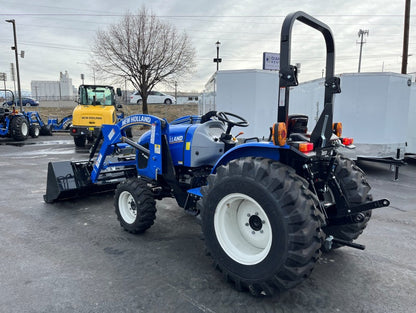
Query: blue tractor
267	208
13	123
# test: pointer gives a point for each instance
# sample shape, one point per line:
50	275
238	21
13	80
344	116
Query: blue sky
57	35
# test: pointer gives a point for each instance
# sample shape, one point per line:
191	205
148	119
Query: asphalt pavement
74	256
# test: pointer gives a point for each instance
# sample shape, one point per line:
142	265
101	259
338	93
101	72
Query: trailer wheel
261	225
80	141
135	206
354	184
19	128
34	131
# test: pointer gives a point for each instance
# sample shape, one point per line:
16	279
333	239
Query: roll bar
288	76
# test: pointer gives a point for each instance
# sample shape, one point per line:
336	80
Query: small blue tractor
20	125
267	208
13	123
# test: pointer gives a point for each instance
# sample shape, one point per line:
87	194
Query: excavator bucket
67	180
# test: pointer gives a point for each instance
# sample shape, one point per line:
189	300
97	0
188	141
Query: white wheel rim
36	132
24	129
243	229
127	207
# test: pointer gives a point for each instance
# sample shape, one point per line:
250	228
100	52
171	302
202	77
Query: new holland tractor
267	208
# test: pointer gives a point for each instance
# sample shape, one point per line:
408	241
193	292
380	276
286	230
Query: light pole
17	62
218	59
361	34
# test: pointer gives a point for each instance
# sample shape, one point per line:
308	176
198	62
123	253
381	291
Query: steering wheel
225	117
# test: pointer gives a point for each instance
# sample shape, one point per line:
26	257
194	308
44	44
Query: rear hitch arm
330	240
369	206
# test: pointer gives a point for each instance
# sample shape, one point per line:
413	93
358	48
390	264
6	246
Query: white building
61	89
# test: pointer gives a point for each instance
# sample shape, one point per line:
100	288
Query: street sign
271	61
3	76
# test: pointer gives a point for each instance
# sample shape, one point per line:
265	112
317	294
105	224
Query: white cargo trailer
411	132
251	94
373	108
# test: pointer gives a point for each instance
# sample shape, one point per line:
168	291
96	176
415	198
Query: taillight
347	141
74	130
337	129
305	147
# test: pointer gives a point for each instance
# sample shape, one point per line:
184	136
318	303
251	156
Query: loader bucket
68	180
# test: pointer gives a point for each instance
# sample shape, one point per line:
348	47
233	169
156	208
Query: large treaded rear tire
135	206
19	128
253	189
356	189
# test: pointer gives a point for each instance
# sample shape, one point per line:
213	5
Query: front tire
261	225
135	206
168	101
34	131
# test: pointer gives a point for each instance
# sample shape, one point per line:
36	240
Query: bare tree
144	50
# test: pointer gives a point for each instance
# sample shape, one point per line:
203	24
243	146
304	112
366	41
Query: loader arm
72	179
114	134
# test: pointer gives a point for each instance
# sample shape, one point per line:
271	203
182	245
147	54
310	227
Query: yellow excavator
96	106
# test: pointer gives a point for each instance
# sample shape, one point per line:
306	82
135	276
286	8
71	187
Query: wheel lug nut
264	222
261	231
253	232
247	224
257	213
248	214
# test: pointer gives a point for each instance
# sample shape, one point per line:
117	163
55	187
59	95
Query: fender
256	149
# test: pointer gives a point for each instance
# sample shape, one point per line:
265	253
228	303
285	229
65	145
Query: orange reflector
305	147
337	129
279	134
347	141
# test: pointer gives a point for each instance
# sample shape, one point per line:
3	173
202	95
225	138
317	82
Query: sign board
271	61
3	76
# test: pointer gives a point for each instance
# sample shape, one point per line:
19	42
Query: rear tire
80	141
19	128
356	189
135	206
261	225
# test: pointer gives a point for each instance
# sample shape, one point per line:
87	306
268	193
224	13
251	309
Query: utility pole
361	34
17	62
406	36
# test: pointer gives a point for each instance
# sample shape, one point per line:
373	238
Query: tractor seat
297	127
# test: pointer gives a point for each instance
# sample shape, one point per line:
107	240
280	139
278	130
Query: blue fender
256	149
